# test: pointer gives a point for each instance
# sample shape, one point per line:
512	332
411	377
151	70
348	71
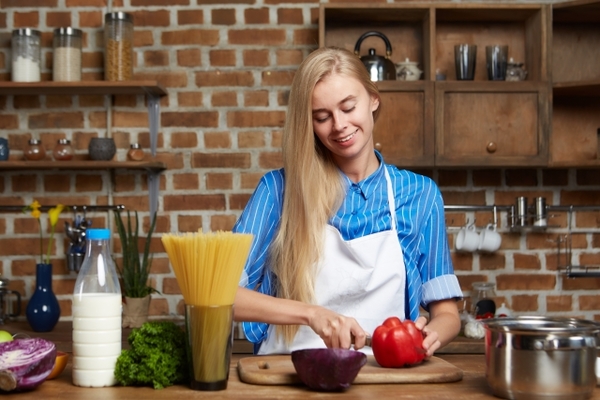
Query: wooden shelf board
82	88
81	165
576	11
585	88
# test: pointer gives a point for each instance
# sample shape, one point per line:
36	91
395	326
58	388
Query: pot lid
536	324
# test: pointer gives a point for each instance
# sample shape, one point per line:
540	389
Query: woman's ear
374	103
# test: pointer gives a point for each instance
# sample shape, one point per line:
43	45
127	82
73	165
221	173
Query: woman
341	240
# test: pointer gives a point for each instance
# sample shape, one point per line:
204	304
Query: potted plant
134	271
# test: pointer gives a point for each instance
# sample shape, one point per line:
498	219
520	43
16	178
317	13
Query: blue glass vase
43	310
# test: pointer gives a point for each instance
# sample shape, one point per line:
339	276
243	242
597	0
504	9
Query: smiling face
342	112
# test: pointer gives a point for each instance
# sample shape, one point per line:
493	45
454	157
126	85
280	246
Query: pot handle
388	45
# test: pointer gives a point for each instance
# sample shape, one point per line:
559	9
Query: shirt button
356	189
353	213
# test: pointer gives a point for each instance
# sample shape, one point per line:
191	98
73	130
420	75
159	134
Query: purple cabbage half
328	369
25	363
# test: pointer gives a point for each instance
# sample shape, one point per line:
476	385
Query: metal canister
521	216
66	60
26	55
540	217
118	46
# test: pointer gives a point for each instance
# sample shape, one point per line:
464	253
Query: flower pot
102	149
135	311
43	310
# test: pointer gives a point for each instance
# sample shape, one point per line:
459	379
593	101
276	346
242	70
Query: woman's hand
443	327
335	329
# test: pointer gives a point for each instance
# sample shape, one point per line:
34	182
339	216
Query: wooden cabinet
451	122
575	140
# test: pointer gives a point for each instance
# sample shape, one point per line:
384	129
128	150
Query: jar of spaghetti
35	150
63	150
118	46
26	55
66	61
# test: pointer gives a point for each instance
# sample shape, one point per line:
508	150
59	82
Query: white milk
96	335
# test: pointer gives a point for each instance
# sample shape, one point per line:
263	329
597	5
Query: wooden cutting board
279	370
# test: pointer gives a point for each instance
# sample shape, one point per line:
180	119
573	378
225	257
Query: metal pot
541	358
380	68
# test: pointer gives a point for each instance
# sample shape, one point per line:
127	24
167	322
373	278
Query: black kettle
380	68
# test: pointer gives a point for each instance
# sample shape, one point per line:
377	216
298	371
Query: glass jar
118	46
482	291
26	55
63	150
66	61
35	150
135	153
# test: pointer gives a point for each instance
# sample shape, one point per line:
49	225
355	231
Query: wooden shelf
154	166
151	88
590	88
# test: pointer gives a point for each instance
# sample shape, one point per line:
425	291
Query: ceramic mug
467	239
489	239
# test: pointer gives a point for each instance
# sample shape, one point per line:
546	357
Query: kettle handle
388	45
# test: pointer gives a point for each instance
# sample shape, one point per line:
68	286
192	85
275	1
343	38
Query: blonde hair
314	188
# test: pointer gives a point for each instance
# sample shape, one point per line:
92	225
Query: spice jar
135	152
66	62
26	55
35	150
63	150
118	46
482	298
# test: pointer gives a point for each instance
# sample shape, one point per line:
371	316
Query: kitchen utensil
465	56
481	291
279	370
489	239
408	71
535	357
6	300
496	58
515	71
521	217
467	239
380	68
540	218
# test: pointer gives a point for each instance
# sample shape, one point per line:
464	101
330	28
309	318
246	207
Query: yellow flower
53	214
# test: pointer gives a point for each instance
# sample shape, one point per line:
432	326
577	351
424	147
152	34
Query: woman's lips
346	139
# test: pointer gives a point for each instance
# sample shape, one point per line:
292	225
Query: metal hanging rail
82	208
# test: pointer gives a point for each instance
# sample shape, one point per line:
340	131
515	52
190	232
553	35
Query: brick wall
227	66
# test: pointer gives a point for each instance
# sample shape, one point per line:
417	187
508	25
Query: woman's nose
339	122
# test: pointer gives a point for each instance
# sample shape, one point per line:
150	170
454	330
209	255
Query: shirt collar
368	186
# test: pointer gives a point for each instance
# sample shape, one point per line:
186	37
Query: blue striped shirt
365	210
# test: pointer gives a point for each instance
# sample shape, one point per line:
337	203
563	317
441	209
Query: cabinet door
491	124
404	129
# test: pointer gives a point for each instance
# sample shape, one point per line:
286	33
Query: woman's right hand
335	329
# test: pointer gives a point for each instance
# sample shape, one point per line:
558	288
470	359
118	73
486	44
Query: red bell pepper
397	344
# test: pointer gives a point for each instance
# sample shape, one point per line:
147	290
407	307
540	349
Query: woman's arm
443	326
335	329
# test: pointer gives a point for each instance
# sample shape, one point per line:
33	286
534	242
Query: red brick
270	160
88	183
23	102
9	121
256	16
588	303
309	37
487	177
189	223
555	177
238	201
58	19
228	79
262	37
190	99
184	140
452	178
56	120
221	160
57	183
165	3
160	18
277	78
523	303
170	286
91	19
290	16
190	17
250	119
185	182
204	37
189	58
258	98
130	119
190	119
492	261
156	58
559	303
223	16
525	282
217	140
251	139
25	19
85	3
218	181
249	180
215	202
526	262
580	283
224	99
222	58
159	307
289	57
256	58
222	222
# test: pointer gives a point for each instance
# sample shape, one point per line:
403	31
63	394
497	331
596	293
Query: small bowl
328	369
59	364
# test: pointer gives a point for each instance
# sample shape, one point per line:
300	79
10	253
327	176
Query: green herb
134	270
157	356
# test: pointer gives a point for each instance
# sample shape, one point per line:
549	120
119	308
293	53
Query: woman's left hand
443	326
431	340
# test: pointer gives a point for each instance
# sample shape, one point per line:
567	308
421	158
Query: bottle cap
97	234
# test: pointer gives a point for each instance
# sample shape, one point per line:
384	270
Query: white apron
364	278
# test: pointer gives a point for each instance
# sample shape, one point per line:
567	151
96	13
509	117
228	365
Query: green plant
135	266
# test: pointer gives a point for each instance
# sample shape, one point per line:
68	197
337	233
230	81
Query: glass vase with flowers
43	309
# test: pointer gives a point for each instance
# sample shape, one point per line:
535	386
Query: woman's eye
321	118
349	110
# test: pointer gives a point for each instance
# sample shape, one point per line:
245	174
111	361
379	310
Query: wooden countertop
472	386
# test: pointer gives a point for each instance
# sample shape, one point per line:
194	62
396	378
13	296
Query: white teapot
408	71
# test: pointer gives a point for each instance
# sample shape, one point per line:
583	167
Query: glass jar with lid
66	60
118	46
26	55
135	153
482	294
35	150
63	150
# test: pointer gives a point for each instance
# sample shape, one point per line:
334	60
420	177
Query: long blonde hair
314	188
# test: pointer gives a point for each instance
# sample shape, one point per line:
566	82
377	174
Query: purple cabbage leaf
25	363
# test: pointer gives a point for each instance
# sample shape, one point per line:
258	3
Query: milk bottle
96	314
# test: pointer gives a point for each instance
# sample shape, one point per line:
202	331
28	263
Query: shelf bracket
153	186
153	120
